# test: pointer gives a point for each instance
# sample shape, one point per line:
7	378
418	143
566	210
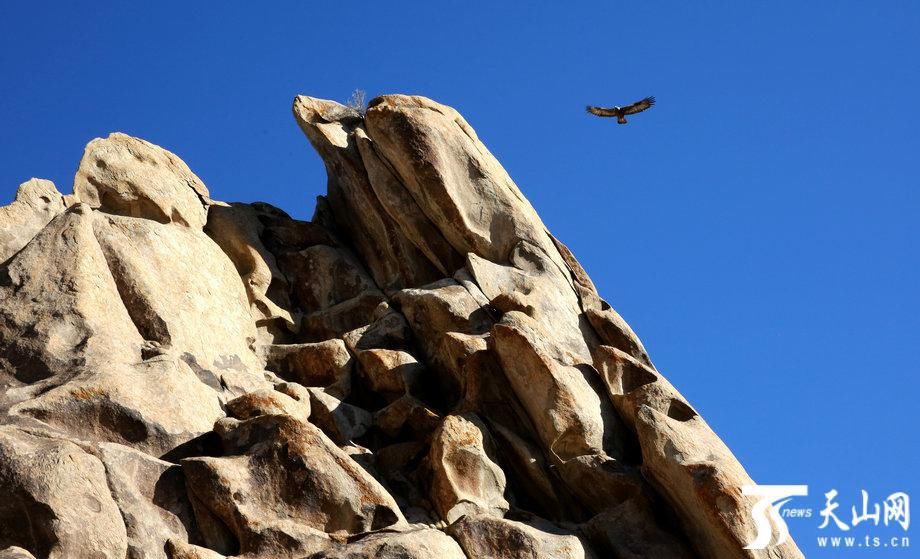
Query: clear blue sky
758	227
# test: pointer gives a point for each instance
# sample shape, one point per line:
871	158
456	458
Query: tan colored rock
443	306
514	301
325	276
130	177
698	474
268	402
126	404
535	288
238	231
465	476
152	499
279	498
604	320
424	543
390	371
60	309
215	534
684	459
396	457
632	383
37	202
296	391
499	538
442	316
177	549
569	415
389	255
466	279
235	382
615	332
15	553
452	176
343	317
121	290
398	202
327	364
527	467
454	350
284	234
54	499
180	290
407	414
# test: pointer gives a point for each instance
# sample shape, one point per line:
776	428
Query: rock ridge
420	370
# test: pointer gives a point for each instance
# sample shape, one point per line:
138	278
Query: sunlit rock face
420	371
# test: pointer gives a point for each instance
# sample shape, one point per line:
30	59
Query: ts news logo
772	498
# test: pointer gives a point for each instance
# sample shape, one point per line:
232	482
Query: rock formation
422	370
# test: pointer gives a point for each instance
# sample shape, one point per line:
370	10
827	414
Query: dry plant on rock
357	101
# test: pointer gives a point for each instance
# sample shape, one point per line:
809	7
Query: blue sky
758	227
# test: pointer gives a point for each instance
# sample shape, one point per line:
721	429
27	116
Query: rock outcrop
421	370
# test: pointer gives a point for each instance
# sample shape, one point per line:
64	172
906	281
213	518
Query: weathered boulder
325	276
151	496
389	330
127	176
37	202
60	307
271	402
123	404
500	538
399	204
181	290
466	478
177	549
327	364
569	415
393	260
410	544
238	231
390	371
615	332
15	553
282	485
454	180
597	481
54	499
697	473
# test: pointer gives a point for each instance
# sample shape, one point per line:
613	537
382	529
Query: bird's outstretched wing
601	111
639	106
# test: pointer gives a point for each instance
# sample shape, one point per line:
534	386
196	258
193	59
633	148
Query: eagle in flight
621	112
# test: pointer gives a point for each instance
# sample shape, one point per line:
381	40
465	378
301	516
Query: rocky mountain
422	370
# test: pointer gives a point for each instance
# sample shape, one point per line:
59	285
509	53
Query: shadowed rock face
422	370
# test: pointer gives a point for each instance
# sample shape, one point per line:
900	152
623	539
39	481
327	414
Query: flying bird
621	112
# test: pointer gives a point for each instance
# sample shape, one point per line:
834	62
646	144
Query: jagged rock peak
421	370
